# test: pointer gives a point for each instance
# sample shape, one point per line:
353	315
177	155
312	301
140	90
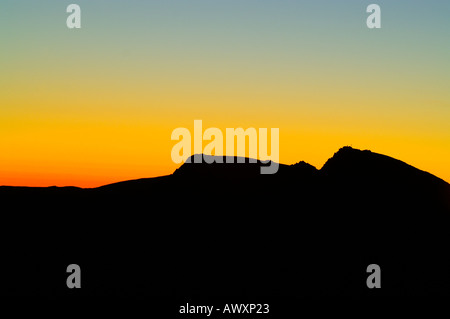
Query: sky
97	105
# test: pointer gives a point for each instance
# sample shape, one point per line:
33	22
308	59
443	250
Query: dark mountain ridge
225	229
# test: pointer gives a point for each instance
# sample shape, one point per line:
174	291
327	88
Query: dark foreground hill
224	229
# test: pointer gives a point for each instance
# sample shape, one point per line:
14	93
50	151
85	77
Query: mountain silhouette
225	229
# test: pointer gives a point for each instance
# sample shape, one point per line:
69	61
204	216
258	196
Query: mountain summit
366	164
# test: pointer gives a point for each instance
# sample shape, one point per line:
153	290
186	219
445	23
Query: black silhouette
224	229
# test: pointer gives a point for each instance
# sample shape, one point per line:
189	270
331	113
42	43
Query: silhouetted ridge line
352	162
346	163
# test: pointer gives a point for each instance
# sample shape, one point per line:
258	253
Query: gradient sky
97	105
